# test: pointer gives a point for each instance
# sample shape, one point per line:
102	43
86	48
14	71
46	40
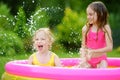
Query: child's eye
42	39
90	14
36	39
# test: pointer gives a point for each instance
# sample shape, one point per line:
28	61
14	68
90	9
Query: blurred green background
19	19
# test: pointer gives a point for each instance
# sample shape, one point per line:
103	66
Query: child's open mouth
40	47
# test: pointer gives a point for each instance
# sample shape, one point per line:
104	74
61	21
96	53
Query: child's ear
50	44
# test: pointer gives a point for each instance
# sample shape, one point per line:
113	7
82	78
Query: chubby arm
57	61
30	60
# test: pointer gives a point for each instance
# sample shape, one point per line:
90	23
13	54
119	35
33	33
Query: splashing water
40	16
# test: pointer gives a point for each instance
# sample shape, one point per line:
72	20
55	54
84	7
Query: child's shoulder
84	29
107	27
33	54
54	54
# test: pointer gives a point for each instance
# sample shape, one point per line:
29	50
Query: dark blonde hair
102	16
102	12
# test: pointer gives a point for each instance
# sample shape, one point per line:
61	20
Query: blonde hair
47	32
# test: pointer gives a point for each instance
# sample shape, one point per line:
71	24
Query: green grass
5	59
114	53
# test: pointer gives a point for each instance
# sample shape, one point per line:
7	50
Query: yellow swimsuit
49	63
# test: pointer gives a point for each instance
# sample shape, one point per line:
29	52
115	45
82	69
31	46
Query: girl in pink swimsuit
96	37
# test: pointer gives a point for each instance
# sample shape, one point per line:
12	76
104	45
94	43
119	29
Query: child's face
91	16
41	42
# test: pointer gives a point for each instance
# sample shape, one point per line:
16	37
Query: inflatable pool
20	70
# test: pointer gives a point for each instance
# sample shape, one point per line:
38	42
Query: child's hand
89	54
83	51
80	51
83	64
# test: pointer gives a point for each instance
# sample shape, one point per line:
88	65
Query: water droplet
33	1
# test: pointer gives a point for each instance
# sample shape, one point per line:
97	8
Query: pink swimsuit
96	41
